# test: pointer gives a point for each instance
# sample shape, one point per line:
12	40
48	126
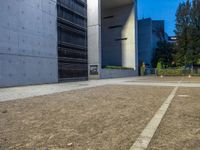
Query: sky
160	10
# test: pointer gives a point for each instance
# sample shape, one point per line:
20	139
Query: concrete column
94	38
129	47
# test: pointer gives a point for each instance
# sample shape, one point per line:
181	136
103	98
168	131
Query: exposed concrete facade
112	34
28	39
28	42
117	73
118	39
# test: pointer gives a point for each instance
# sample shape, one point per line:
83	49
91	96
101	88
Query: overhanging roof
109	4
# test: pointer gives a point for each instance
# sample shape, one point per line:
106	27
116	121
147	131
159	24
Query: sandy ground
180	128
102	118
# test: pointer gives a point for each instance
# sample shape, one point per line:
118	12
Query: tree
194	44
164	54
182	32
188	33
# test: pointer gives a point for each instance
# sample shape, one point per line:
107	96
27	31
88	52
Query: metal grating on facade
72	40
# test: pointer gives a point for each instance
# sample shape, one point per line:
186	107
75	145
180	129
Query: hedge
174	72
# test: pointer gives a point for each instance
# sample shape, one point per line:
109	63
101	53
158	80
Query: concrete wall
116	73
28	42
111	43
118	44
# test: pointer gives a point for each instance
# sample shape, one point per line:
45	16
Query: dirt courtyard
107	117
101	118
180	128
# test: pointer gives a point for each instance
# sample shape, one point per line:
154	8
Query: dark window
72	39
121	39
108	17
116	26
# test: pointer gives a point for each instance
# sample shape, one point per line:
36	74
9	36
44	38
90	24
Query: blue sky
159	10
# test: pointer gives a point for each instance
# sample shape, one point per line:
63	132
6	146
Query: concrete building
150	32
112	37
47	41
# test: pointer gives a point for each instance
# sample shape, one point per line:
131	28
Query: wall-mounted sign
94	70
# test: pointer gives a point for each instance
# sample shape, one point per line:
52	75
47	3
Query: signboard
94	70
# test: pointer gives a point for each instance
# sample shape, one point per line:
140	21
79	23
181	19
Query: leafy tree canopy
188	33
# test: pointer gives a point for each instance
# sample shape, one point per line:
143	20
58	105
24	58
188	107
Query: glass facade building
72	40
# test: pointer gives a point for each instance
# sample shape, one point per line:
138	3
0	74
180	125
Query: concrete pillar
94	38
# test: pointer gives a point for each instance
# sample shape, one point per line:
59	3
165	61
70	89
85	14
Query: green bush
159	65
173	72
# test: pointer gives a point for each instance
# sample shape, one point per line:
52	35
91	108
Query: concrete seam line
147	134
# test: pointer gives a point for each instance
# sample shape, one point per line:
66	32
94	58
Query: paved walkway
7	94
38	90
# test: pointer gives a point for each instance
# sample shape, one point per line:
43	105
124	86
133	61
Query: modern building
150	32
50	41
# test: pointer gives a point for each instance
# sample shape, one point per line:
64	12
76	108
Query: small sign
94	70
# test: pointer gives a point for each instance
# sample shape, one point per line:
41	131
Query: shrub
159	66
174	72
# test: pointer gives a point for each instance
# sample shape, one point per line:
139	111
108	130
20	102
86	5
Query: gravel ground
180	128
101	118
